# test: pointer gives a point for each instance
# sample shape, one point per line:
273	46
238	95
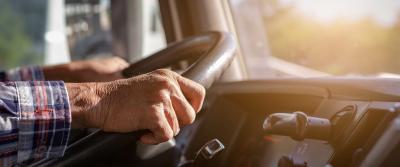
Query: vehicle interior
261	110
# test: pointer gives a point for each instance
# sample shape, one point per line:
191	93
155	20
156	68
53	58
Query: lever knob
298	126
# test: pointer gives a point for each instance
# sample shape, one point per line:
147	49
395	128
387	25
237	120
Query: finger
148	138
193	92
121	62
160	131
171	116
156	137
184	111
116	64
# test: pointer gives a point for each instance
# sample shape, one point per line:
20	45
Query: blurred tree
14	43
341	46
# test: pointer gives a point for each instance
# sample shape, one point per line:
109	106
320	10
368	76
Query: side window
340	37
22	28
154	37
317	38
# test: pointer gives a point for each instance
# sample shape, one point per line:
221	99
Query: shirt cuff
33	73
44	119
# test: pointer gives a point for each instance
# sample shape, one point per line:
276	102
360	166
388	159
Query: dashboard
235	115
269	123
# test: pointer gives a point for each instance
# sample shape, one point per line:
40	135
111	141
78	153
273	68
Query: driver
37	109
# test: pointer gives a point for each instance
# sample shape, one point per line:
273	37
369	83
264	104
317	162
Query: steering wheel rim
219	50
213	51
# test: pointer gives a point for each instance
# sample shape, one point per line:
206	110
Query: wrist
69	72
84	100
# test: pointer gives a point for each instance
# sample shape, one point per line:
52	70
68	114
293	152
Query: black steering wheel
212	53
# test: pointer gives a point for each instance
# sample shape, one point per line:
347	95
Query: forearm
64	72
84	99
56	72
96	70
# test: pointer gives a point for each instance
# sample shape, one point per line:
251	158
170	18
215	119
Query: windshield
335	36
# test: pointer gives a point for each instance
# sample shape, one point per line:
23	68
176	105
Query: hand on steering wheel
213	52
161	101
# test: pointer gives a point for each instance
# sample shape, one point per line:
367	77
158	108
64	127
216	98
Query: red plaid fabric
35	117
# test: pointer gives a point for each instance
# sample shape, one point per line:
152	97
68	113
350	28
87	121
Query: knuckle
162	81
165	136
163	72
155	116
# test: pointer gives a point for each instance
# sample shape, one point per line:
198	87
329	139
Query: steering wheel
212	53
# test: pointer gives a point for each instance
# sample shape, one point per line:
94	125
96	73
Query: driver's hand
94	70
161	101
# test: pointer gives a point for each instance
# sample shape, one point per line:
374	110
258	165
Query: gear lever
298	126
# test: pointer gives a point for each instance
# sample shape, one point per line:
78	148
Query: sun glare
384	12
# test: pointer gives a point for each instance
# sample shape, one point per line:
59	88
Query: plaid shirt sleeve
22	74
35	117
